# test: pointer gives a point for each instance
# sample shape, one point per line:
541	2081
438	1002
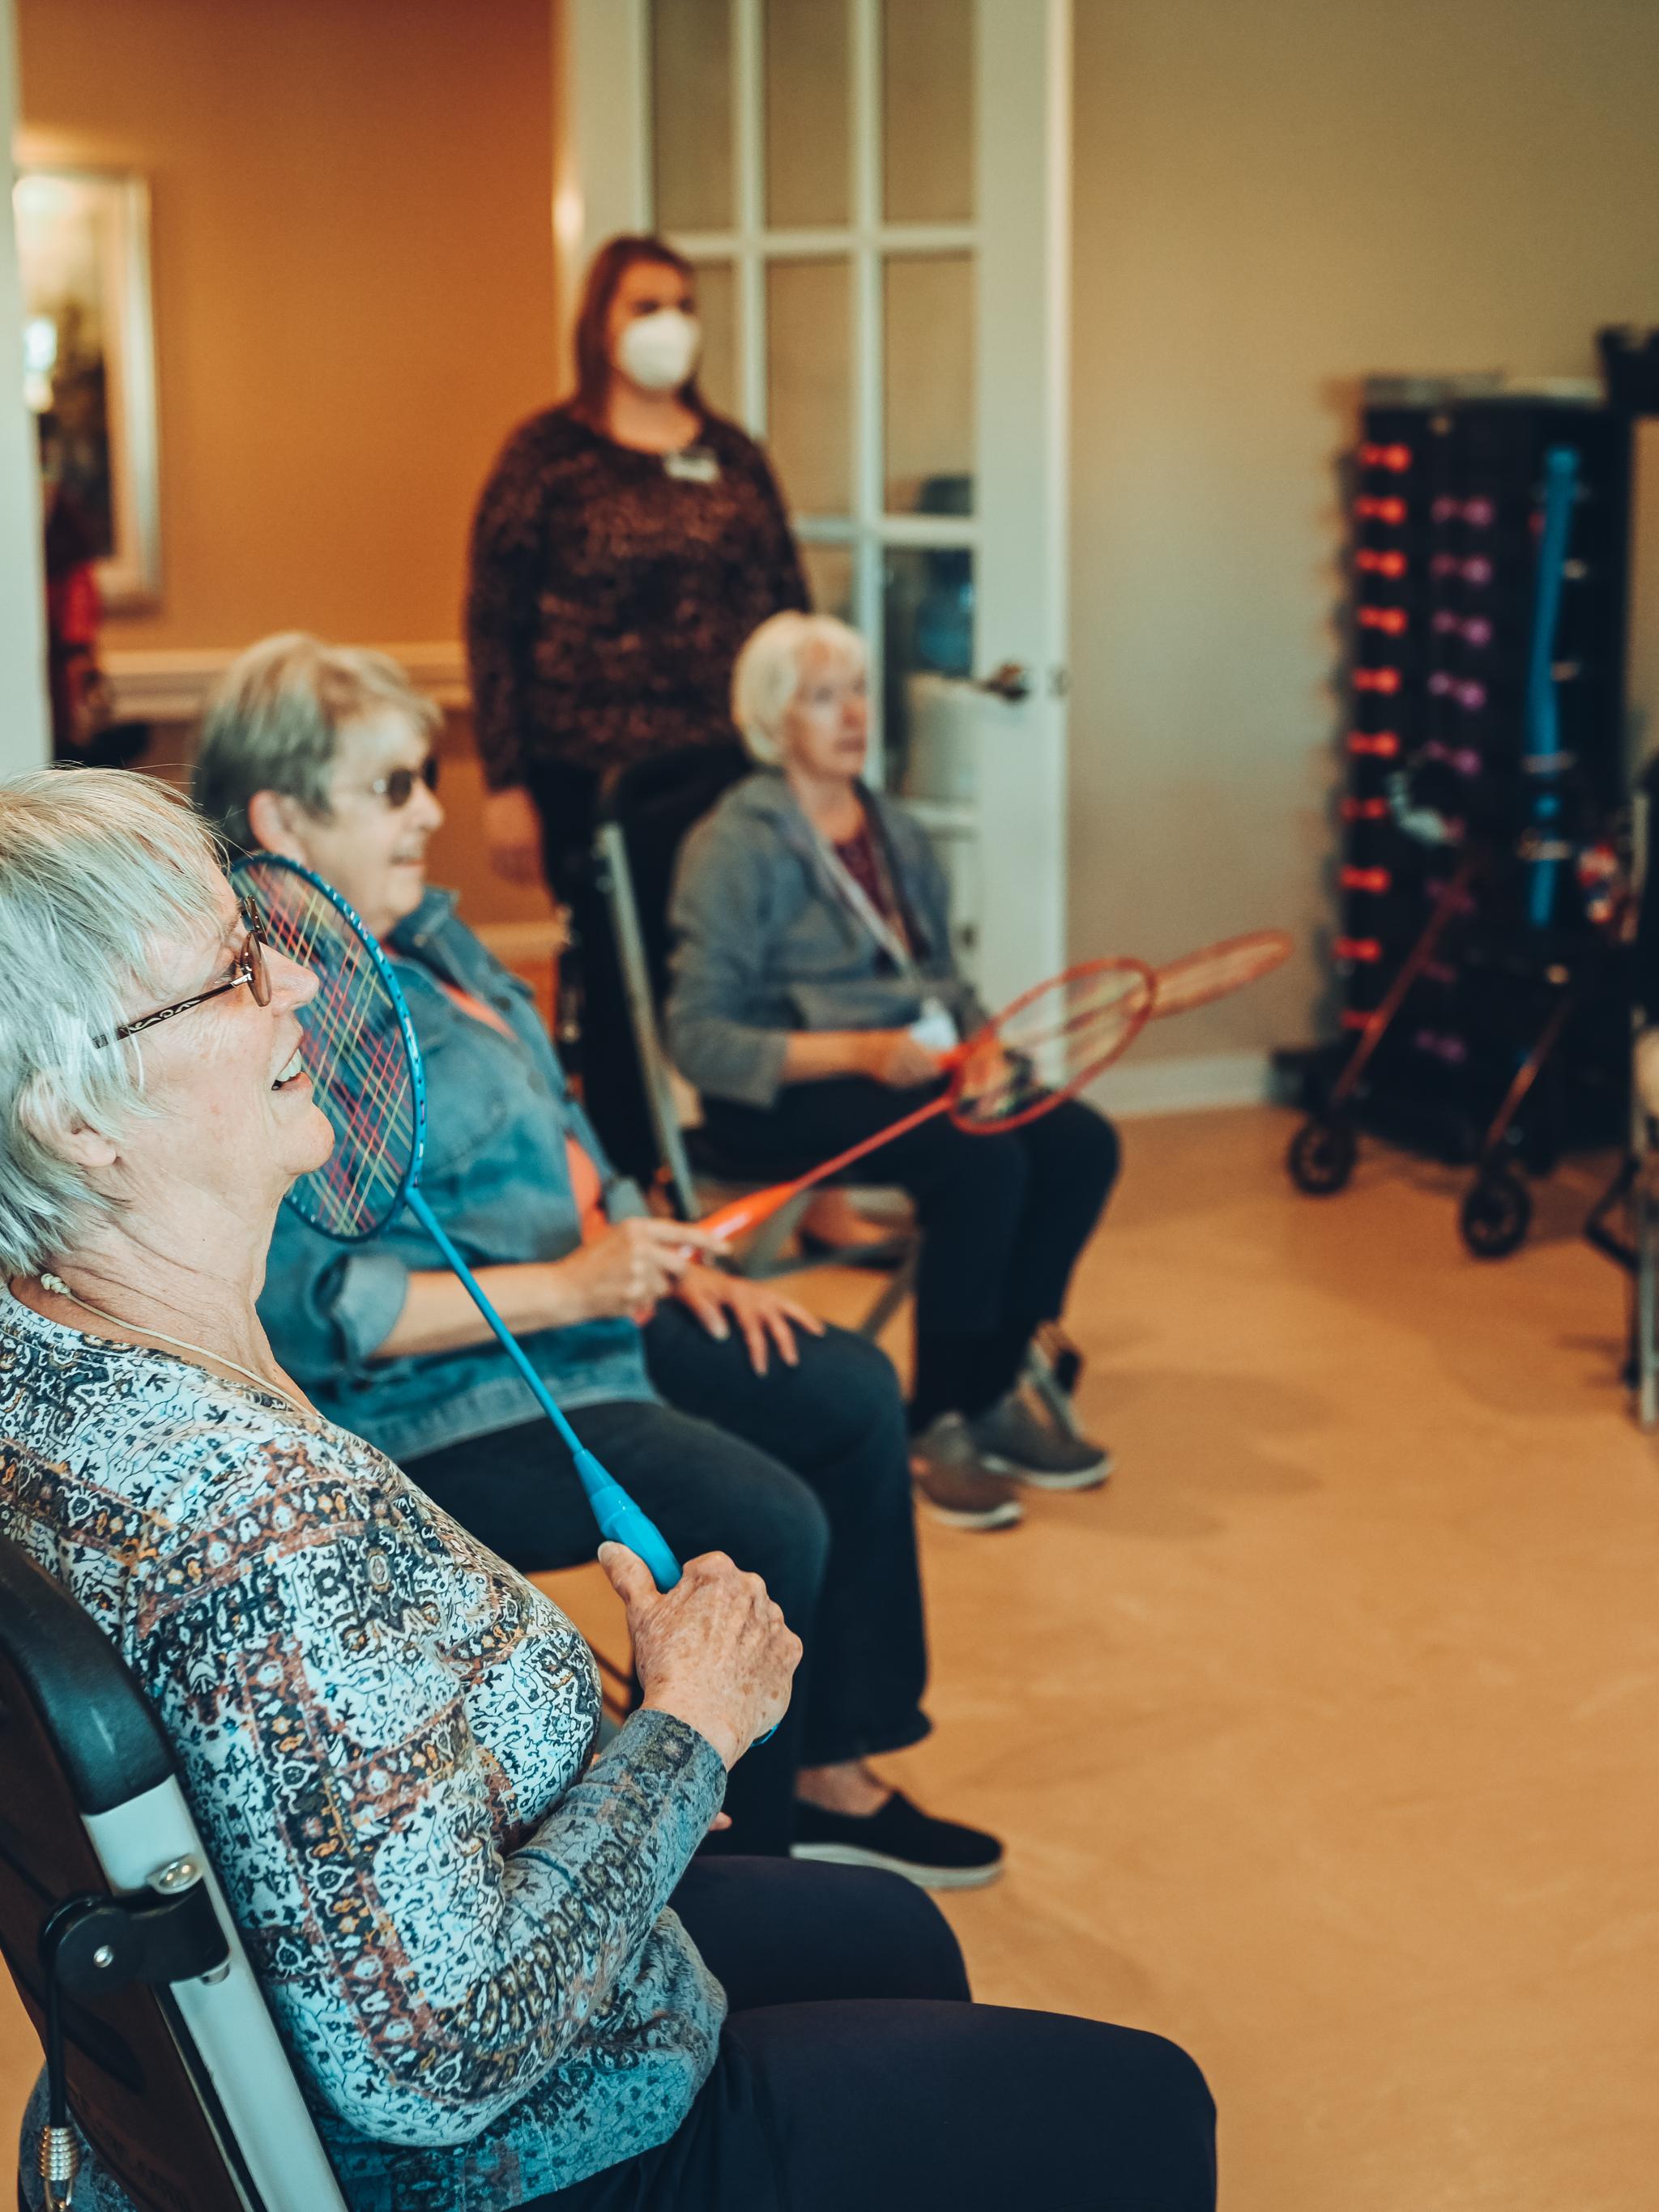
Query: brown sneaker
956	1486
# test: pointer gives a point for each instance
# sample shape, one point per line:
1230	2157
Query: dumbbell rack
1447	510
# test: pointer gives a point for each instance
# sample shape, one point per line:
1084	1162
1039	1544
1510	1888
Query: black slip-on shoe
901	1838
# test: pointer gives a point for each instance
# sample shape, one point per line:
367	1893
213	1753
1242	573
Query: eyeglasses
249	968
397	787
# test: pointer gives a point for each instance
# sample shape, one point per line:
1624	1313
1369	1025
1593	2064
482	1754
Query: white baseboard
1184	1086
173	685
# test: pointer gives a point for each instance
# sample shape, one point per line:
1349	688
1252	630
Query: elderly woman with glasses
781	1442
501	1978
815	991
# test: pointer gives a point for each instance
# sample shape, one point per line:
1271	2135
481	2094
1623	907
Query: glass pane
829	572
928	383
809	409
930	716
928	110
717	311
691	113
806	121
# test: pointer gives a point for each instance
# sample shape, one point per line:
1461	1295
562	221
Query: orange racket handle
743	1214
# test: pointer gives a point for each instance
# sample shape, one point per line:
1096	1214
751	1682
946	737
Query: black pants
607	1058
805	1481
1003	1217
855	2075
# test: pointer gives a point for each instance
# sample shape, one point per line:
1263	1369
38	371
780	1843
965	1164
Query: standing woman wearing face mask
626	543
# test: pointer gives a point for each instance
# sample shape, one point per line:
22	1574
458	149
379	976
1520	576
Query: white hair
770	669
103	873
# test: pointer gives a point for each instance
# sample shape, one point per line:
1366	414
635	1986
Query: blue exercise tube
1543	720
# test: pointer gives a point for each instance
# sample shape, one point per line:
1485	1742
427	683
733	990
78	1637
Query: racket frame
619	1518
1278	941
745	1213
962	1056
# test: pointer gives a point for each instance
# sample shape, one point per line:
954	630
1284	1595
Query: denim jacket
495	1174
765	943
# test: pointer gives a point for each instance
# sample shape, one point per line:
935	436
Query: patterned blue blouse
384	1732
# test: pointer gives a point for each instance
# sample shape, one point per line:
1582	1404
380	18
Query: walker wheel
1322	1157
1496	1214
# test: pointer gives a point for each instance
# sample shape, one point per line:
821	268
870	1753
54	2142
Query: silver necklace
56	1283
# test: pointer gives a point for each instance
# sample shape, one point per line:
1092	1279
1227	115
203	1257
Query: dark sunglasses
398	788
249	968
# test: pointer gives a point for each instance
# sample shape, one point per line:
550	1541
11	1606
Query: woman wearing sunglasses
781	1443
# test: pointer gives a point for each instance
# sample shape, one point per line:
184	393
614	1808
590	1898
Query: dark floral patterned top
460	1922
609	590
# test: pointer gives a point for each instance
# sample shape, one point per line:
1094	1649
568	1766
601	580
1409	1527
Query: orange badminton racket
1044	1048
1216	972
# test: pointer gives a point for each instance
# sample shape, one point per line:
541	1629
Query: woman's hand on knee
715	1651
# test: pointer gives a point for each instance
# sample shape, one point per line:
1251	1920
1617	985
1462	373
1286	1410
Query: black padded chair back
88	1783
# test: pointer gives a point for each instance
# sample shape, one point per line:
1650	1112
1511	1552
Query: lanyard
852	891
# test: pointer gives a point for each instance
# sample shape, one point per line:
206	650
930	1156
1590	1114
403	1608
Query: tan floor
1324	1739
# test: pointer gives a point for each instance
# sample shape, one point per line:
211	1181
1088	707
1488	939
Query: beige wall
353	268
1273	198
352	247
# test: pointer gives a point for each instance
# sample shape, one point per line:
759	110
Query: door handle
1011	682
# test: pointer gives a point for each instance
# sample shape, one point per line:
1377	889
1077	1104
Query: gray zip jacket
765	941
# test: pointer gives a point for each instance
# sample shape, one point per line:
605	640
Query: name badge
935	1031
694	465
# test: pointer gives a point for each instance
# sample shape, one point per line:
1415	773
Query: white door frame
24	739
1024	91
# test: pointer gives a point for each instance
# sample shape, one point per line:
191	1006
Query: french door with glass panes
876	195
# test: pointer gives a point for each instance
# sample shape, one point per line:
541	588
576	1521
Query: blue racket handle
621	1521
613	1509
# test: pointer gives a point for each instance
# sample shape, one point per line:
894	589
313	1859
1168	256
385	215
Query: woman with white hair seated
814	993
461	1916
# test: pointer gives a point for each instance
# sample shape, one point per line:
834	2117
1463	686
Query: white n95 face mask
659	351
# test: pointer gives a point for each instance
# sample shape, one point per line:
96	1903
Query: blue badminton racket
360	1050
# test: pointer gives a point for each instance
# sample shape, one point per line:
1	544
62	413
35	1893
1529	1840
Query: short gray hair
274	720
103	873
768	674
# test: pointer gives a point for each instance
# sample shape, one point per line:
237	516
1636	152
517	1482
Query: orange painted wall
353	267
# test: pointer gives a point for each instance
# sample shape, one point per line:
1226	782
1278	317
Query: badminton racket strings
1051	1042
359	1065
